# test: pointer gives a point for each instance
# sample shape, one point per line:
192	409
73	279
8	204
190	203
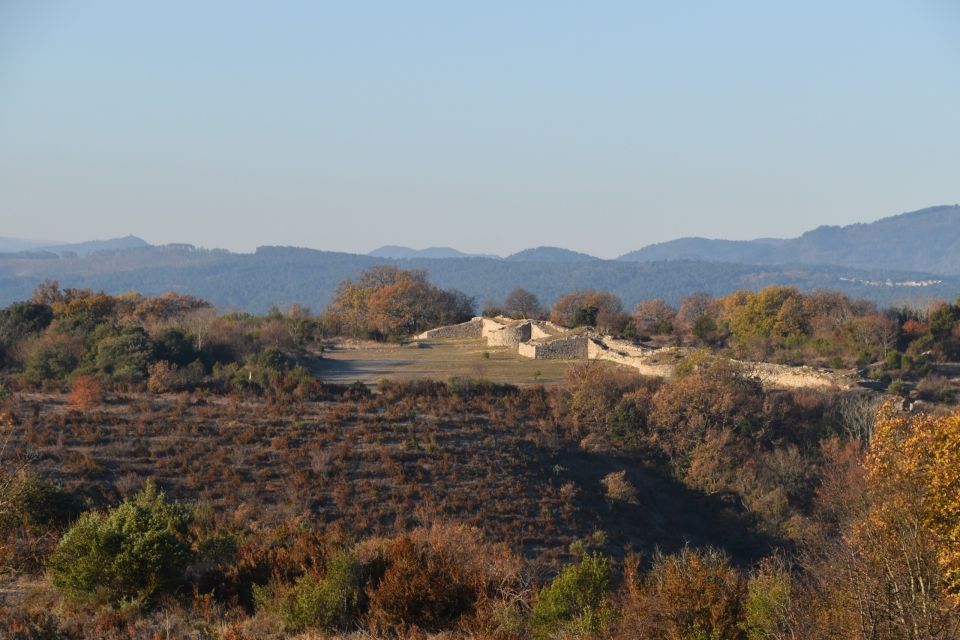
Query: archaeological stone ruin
544	340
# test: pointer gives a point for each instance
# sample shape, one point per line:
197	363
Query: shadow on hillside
666	515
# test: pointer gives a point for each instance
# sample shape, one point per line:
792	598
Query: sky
490	127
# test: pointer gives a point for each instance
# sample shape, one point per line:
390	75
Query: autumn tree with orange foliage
590	308
385	301
891	569
914	473
691	594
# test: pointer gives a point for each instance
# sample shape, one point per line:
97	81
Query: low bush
575	603
331	602
130	554
419	589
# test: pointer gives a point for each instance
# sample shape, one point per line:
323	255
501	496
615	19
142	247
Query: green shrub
899	388
131	554
627	422
766	604
32	513
575	603
329	603
52	357
124	357
175	346
894	360
45	505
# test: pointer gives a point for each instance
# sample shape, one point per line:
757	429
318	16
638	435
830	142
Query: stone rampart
626	347
470	329
779	375
510	335
490	325
541	340
771	375
572	348
597	350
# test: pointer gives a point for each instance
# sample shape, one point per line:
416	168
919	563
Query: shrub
898	388
575	602
330	603
618	488
45	505
85	392
691	594
627	421
166	377
133	553
468	388
593	391
894	360
174	346
30	510
767	603
709	394
18	321
52	357
419	588
935	388
124	357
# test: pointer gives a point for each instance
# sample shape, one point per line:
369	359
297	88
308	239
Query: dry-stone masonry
542	340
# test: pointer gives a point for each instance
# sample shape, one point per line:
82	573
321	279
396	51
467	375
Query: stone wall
599	351
537	332
510	336
572	348
771	375
545	329
490	325
470	329
779	375
626	347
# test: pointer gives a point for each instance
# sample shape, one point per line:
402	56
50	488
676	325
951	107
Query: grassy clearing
436	360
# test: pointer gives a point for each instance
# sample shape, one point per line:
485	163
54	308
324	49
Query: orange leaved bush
86	392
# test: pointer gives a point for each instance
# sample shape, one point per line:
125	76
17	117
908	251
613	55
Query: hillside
927	240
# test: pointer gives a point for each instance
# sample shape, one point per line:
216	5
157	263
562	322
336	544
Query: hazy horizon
598	128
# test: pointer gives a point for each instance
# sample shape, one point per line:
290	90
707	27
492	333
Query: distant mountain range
906	259
15	245
406	253
927	240
550	254
537	254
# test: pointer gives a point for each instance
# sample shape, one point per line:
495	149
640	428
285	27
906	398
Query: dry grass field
345	362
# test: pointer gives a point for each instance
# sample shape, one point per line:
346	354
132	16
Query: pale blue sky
491	127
